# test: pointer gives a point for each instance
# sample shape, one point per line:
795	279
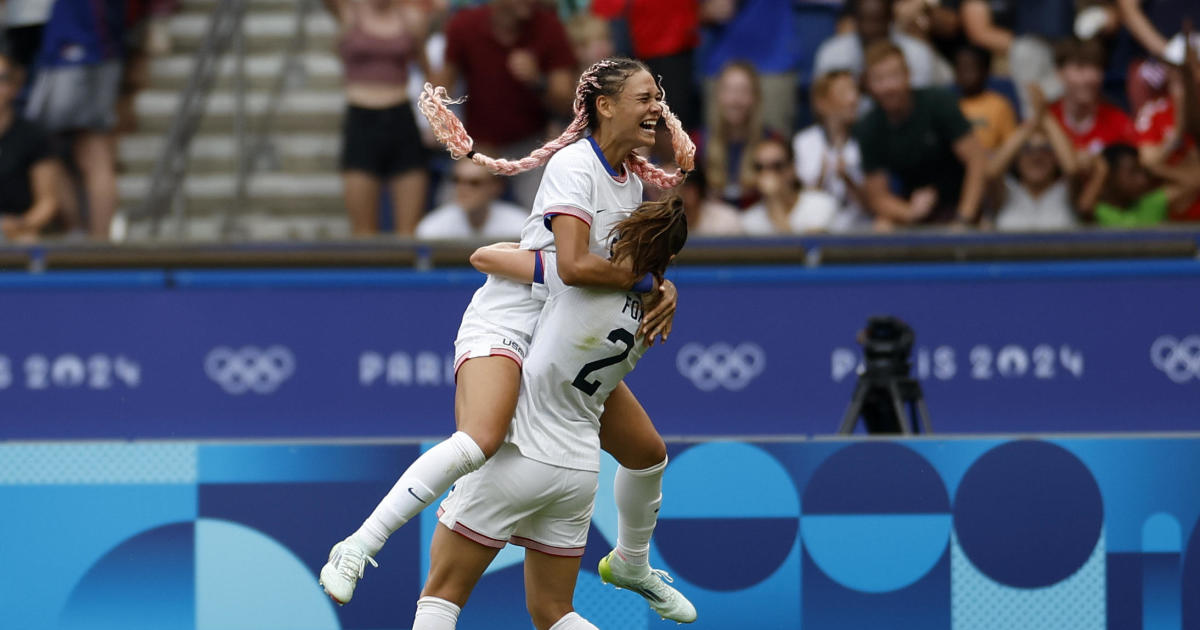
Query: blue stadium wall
1001	348
962	534
219	512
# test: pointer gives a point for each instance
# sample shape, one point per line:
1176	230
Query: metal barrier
925	246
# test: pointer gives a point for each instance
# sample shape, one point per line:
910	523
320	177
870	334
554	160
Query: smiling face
887	81
736	98
631	115
1035	164
774	171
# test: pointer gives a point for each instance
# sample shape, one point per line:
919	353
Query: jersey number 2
617	335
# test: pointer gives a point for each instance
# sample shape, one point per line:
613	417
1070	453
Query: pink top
373	59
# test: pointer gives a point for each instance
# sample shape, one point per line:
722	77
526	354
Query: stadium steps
296	194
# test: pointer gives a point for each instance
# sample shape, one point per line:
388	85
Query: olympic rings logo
721	365
1179	359
249	369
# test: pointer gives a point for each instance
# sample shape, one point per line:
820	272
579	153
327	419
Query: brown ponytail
650	236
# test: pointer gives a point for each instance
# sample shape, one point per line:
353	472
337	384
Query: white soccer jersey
578	181
584	346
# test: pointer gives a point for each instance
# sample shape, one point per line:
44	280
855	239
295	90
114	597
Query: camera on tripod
886	396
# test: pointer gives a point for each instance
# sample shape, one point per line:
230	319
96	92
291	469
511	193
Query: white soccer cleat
651	584
339	576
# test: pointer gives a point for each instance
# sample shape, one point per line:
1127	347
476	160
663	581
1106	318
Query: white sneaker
651	584
339	576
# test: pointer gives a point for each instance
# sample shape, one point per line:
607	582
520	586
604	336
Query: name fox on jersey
633	307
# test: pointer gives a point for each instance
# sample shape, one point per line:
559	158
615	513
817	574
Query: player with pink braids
585	191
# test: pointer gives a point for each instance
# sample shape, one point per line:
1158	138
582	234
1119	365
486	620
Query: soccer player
593	179
538	490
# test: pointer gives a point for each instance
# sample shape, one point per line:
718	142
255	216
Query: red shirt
500	109
658	28
1155	120
1110	126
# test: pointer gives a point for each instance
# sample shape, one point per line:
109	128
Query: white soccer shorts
514	499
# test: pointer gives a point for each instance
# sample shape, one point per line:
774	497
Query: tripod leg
923	412
855	408
898	404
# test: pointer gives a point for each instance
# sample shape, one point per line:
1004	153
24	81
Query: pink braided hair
449	130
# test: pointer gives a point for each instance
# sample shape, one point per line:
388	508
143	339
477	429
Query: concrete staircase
298	196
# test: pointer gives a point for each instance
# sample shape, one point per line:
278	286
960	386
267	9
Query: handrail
254	150
171	168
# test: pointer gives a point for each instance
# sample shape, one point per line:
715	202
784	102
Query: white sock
571	621
435	614
639	495
425	480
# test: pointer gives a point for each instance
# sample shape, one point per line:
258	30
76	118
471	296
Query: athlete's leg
627	433
485	399
550	588
455	566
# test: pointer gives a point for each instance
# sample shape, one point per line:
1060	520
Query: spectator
516	62
777	186
75	93
920	138
783	207
827	155
707	216
28	171
1022	32
591	39
1036	166
1088	121
381	144
476	211
990	114
760	32
1130	196
1163	144
735	122
664	34
23	22
1152	23
933	21
873	24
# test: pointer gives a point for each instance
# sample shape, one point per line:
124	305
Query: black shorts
382	142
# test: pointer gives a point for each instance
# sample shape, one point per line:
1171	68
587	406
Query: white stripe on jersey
584	346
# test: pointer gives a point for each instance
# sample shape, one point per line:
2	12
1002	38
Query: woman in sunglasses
783	208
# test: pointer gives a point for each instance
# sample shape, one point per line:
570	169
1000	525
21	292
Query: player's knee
488	443
644	454
546	612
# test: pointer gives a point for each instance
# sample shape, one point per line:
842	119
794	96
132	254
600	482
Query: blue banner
755	351
1076	533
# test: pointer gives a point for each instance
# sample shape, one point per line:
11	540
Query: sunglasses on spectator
8	77
1036	147
471	181
777	166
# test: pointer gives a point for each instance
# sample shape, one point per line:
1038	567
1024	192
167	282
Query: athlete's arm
506	260
577	266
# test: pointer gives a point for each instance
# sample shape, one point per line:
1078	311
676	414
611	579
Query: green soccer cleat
651	584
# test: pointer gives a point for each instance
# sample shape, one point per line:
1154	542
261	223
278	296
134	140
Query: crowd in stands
68	69
810	116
